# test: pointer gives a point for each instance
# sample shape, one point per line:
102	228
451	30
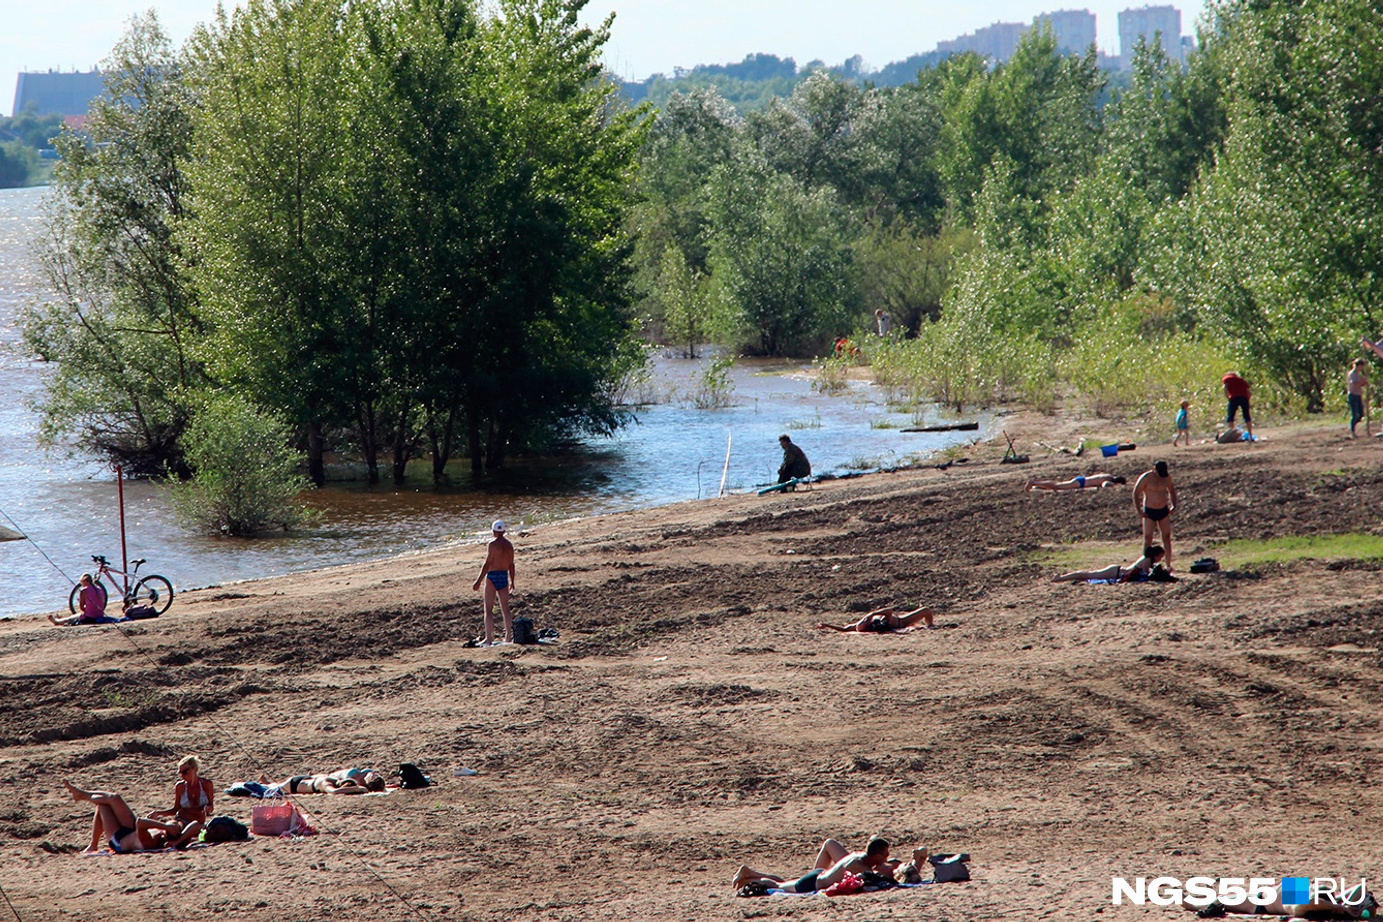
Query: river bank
691	719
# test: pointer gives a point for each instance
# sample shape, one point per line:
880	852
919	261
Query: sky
649	36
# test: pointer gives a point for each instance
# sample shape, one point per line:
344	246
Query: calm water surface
67	505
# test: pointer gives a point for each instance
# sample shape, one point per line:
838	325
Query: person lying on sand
1140	569
116	827
1099	481
343	781
884	621
1355	903
833	862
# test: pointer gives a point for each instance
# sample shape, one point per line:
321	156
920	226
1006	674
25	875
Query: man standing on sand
1237	390
1155	496
498	576
795	463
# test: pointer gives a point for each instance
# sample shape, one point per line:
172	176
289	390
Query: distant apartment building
1147	22
1074	30
998	41
56	93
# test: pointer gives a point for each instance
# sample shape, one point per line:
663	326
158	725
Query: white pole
725	472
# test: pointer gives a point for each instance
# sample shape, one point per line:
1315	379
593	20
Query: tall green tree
122	331
271	232
780	259
1292	217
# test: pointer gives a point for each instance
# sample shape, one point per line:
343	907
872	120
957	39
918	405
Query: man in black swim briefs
1155	497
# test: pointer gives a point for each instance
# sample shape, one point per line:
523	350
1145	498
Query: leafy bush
246	479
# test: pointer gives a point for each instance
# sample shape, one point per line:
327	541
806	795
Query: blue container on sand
1109	451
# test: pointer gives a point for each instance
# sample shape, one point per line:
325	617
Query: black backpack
524	632
411	777
225	829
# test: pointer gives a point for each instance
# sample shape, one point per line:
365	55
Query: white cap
498	526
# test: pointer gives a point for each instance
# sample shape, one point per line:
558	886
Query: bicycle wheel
153	591
74	599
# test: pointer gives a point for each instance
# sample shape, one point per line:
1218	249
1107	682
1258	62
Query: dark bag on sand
1160	574
1205	565
140	612
225	829
949	868
411	777
873	881
524	632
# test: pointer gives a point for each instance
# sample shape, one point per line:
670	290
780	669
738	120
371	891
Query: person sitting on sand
193	795
884	621
1140	569
92	602
1099	481
1355	903
116	827
833	862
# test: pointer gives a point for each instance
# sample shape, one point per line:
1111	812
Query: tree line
1036	230
422	228
394	227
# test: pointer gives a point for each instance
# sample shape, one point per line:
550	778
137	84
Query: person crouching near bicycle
92	602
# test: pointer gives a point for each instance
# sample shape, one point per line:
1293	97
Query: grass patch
884	423
1232	555
1347	546
810	422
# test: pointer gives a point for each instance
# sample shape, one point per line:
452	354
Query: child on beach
1183	424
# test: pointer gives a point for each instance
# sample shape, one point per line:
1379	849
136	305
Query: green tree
245	478
270	230
780	260
1292	217
19	165
122	329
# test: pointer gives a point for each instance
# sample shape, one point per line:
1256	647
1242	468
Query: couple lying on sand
833	862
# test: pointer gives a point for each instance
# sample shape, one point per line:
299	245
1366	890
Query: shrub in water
246	478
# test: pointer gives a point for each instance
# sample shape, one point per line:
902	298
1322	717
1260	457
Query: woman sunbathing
115	826
884	621
1141	568
345	781
1098	481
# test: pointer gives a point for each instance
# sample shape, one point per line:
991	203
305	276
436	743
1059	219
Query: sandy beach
691	718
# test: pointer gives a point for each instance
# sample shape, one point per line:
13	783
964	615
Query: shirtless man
1099	481
833	862
1155	496
498	576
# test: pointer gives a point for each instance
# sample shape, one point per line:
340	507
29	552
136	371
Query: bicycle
153	591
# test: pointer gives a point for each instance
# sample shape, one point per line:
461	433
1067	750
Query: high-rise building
1146	23
56	93
998	41
1074	30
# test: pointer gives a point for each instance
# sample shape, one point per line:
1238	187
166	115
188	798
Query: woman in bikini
192	796
117	828
1077	483
884	621
1140	568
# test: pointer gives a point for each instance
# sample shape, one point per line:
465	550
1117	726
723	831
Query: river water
67	505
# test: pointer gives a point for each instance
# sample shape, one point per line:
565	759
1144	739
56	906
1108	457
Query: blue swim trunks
498	578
